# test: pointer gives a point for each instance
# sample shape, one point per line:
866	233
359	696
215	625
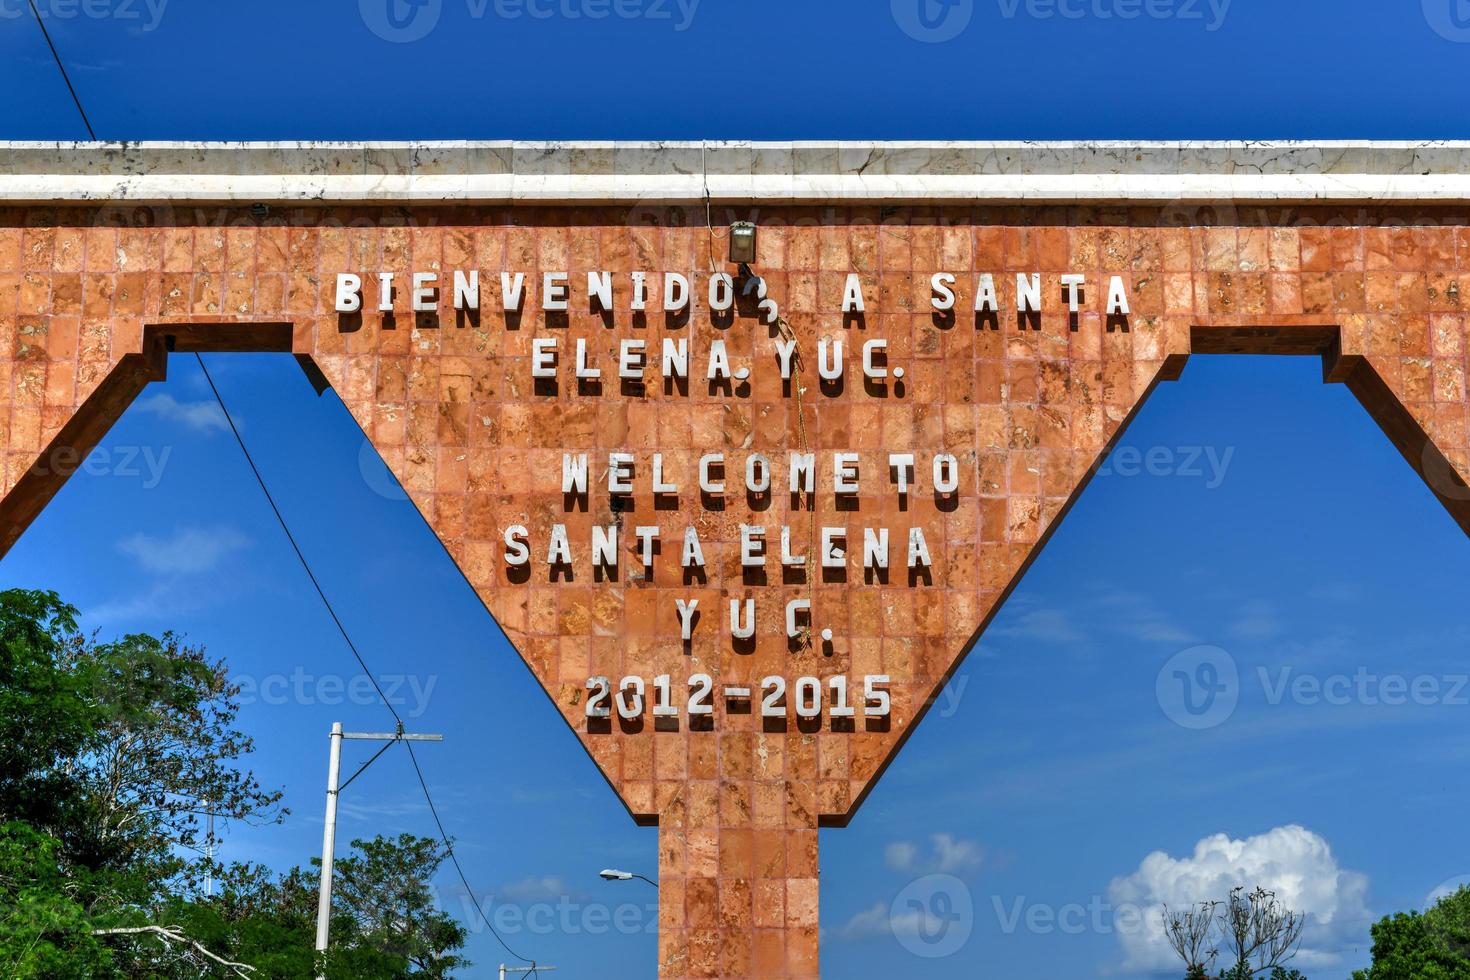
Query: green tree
385	924
164	755
254	918
111	756
1429	945
47	714
384	898
1246	973
44	930
118	750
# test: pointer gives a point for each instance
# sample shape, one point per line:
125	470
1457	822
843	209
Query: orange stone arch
89	308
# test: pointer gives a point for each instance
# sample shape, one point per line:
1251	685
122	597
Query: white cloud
536	889
364	811
866	924
946	856
1258	621
201	416
1337	592
880	920
900	855
956	855
1134	616
1291	861
163	595
1042	625
1098	613
188	550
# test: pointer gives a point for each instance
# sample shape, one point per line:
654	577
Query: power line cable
64	76
423	783
306	566
292	538
449	847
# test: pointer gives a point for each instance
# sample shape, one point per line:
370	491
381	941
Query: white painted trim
780	173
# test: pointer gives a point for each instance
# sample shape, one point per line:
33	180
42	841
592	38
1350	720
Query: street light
612	874
742	242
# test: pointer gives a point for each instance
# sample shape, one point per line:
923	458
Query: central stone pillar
739	887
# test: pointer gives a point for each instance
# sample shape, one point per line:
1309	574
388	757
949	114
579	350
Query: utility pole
506	971
209	857
329	832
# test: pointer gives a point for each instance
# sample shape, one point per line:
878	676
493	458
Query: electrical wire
709	211
423	783
64	76
364	767
292	538
306	566
449	848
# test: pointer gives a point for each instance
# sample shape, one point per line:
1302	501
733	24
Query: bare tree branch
1257	932
1188	932
171	935
1260	932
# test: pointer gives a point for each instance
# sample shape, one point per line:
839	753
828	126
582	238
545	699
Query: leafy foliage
1429	945
384	896
385	924
117	749
47	715
111	757
44	930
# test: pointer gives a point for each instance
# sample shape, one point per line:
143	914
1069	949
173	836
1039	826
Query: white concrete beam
779	173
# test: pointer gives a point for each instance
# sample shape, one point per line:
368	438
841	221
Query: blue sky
159	69
1275	522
